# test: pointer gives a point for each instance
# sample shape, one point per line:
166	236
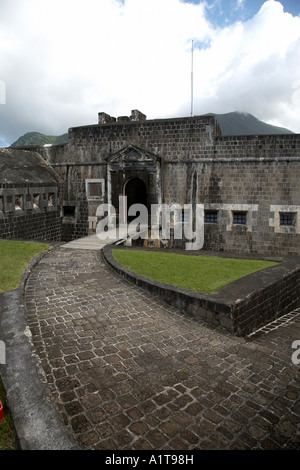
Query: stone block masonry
267	304
249	183
129	372
240	307
262	190
29	197
170	138
31	226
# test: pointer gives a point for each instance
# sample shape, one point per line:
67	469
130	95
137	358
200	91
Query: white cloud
63	61
253	67
239	4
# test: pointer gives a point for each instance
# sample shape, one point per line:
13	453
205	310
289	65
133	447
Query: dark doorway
136	192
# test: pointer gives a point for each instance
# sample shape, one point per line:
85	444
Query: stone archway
135	173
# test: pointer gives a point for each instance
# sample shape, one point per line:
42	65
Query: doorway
136	191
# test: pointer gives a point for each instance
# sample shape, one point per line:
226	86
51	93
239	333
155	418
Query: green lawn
14	258
199	273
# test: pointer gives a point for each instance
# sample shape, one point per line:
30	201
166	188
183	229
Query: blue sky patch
222	13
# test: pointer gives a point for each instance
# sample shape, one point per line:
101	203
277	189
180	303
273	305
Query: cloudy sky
63	61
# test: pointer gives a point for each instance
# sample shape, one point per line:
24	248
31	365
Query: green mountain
35	138
237	123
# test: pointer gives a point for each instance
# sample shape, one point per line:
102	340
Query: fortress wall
181	138
257	176
259	190
262	146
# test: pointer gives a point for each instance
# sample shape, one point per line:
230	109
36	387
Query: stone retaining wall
240	307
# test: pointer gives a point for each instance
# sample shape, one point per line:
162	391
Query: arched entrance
136	191
135	173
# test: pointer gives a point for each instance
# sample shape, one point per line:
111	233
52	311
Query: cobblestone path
130	372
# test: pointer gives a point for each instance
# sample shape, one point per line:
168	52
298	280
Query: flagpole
192	81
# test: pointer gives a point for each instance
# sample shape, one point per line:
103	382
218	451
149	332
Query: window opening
211	217
287	219
51	200
36	201
18	203
240	218
69	211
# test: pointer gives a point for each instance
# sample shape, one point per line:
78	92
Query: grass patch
7	435
14	259
199	273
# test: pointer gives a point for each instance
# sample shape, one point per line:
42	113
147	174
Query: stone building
29	201
248	185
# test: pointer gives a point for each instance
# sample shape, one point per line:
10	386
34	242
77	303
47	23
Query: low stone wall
31	225
242	306
268	303
29	197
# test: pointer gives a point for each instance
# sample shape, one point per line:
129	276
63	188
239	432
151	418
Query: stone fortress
249	185
125	371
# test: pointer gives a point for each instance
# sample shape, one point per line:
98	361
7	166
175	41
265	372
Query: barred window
240	218
211	217
287	219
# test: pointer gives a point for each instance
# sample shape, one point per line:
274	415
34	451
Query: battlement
136	115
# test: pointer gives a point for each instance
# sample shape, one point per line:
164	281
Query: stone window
36	201
239	218
287	219
94	188
19	203
211	217
1	204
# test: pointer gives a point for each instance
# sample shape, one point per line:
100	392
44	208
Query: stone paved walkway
129	372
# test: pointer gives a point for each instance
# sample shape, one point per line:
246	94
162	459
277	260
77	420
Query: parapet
104	118
136	115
